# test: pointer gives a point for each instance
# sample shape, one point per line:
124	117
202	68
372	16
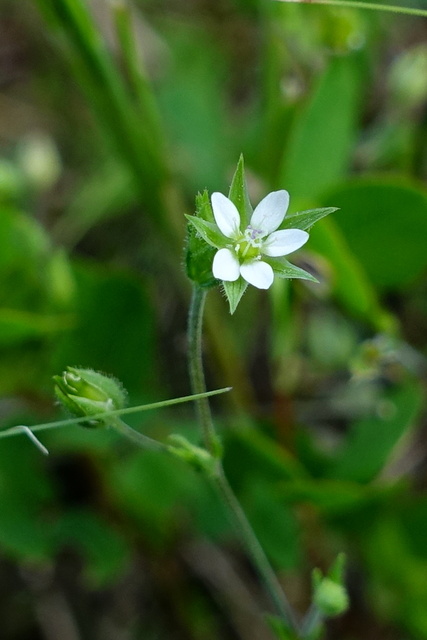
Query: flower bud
331	598
198	458
84	392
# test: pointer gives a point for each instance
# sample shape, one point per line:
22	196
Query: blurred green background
112	117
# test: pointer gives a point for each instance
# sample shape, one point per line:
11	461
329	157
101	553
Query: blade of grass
356	4
13	431
134	66
107	94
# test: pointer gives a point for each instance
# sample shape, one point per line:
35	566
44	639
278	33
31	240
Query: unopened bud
197	457
331	598
84	392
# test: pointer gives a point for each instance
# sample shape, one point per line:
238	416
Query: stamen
253	237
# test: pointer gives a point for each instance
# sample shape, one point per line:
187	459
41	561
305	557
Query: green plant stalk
218	478
195	360
358	4
14	431
137	438
134	66
107	93
311	622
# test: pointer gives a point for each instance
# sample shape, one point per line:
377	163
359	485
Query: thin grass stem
359	4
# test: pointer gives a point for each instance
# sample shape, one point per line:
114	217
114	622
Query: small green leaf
239	194
204	207
306	219
234	291
209	231
284	269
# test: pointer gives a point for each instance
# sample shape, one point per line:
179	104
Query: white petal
258	273
226	265
226	215
280	243
270	212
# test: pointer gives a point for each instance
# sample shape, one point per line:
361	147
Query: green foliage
371	440
133	108
321	141
379	221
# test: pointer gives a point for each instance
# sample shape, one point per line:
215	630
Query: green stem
311	622
218	479
197	376
137	438
255	550
13	431
359	4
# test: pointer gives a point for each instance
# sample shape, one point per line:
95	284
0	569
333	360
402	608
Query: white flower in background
243	254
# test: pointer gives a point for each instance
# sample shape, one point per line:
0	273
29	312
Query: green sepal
199	253
284	269
304	220
238	194
209	231
204	207
234	292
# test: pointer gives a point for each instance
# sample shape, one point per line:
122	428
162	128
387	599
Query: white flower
243	254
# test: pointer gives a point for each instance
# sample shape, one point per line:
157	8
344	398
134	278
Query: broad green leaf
191	96
306	219
371	441
104	550
348	279
320	144
234	292
239	194
385	224
209	231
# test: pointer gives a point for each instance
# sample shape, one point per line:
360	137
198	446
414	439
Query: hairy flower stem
218	478
254	549
134	436
195	360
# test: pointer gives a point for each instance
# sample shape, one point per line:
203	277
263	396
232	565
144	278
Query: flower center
249	244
